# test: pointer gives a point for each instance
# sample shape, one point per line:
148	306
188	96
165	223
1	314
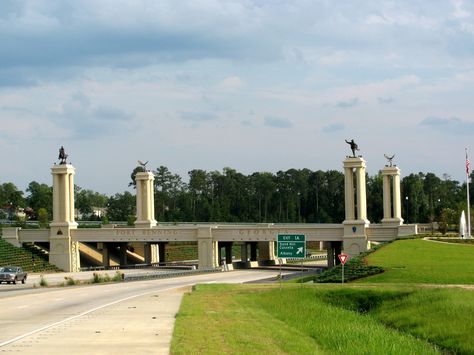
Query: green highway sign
291	246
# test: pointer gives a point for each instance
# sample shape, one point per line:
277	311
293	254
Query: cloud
86	121
277	122
197	117
131	34
451	125
385	100
459	11
334	127
231	83
347	104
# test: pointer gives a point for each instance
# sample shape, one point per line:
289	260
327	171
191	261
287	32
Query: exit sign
291	246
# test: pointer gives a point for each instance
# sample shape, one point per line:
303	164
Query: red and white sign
343	258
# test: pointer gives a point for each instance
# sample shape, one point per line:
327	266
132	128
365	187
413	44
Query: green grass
420	261
441	316
28	258
400	312
253	319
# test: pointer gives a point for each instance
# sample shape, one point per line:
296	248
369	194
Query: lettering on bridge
268	231
119	232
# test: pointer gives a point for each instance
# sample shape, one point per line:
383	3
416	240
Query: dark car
12	274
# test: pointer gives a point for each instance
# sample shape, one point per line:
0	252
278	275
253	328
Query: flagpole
468	201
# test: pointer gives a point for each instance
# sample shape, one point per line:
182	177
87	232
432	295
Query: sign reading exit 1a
291	246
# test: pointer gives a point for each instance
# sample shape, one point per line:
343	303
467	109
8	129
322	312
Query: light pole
299	207
406	208
10	212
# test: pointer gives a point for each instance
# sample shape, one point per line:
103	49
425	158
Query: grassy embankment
420	261
352	318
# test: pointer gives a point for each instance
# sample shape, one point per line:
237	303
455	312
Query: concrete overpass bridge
257	241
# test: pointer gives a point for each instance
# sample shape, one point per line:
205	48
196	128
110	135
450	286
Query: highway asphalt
134	317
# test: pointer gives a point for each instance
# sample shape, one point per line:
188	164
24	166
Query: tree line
291	196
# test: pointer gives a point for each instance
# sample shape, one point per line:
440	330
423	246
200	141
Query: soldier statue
354	147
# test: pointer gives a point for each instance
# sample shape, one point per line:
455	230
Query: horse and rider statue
62	156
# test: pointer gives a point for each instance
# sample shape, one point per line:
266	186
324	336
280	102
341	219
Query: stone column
349	192
392	214
64	252
161	246
397	199
387	203
266	253
207	249
105	256
330	254
243	252
361	194
337	247
356	223
147	253
123	253
228	252
253	251
145	200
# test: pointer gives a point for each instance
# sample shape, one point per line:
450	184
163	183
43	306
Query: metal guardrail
164	275
311	257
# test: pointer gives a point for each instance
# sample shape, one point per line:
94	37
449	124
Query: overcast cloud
209	84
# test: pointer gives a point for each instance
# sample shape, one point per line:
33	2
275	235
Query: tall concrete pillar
349	192
361	194
207	249
253	251
266	251
243	252
337	247
64	252
161	248
123	253
228	252
150	253
105	256
392	213
356	222
145	200
330	254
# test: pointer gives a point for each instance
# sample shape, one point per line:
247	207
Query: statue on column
62	156
389	159
354	147
143	165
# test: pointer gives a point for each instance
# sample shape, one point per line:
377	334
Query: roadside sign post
291	246
343	258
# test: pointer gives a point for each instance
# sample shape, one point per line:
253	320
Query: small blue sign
354	229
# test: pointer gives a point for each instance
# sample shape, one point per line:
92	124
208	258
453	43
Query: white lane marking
24	306
85	313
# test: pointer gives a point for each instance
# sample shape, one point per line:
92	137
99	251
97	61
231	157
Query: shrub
118	276
96	278
354	269
70	281
43	282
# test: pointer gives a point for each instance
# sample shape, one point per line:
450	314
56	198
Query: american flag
468	167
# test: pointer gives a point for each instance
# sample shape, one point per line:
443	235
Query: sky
252	85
